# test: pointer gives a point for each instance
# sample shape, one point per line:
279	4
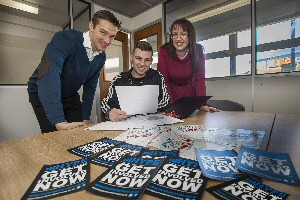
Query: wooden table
22	159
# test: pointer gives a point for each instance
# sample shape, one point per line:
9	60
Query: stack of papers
142	121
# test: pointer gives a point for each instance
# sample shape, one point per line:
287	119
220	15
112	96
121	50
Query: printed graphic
110	156
155	154
59	179
93	148
273	166
127	179
178	178
245	187
218	165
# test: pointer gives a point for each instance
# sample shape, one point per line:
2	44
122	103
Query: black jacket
153	77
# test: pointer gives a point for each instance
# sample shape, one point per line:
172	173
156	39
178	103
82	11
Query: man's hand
87	122
66	125
209	109
117	115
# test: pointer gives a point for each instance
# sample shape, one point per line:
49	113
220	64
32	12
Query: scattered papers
273	166
59	179
127	179
140	137
136	122
218	165
138	99
178	178
245	188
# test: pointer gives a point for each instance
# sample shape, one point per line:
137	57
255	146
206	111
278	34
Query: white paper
136	122
138	99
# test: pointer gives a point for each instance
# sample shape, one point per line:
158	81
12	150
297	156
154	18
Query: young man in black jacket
139	74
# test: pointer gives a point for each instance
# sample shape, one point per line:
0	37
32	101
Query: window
223	28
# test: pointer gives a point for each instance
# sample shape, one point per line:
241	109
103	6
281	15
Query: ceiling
55	12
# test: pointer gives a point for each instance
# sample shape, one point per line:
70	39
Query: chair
226	105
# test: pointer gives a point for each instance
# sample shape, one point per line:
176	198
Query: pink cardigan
180	79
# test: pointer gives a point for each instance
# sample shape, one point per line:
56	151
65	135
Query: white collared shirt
88	46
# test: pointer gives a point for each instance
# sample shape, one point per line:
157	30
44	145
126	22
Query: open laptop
185	106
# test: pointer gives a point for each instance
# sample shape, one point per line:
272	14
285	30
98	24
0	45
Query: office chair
226	105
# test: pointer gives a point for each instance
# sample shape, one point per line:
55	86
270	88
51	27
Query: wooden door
153	35
104	80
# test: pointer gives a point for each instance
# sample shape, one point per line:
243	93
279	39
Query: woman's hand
209	109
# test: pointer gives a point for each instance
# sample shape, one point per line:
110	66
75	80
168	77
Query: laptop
185	106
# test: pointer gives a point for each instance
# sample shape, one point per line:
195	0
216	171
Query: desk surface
22	159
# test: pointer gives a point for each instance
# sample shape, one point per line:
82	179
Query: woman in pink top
181	61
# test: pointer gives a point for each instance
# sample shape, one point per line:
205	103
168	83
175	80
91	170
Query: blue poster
59	179
218	165
273	166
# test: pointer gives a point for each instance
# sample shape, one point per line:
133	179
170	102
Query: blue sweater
64	68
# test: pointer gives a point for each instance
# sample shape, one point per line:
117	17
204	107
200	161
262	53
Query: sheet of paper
136	122
138	99
114	126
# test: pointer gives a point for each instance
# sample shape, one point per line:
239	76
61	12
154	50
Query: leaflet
218	165
155	154
245	187
110	156
127	179
59	179
178	178
92	148
273	166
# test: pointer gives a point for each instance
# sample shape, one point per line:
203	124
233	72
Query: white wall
277	94
17	118
22	44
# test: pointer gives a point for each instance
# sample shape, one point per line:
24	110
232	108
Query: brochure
218	165
245	187
178	178
127	179
94	147
273	166
155	154
110	156
59	179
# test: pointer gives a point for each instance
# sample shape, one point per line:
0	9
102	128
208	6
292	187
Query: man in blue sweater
72	59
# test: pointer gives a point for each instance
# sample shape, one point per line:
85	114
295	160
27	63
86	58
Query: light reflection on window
215	44
219	67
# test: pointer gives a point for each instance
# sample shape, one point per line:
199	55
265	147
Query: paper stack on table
141	121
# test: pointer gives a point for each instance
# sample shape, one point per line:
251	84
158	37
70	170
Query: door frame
103	84
155	29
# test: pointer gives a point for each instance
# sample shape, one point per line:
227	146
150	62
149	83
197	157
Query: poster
127	179
273	166
246	187
59	179
218	165
178	178
155	154
94	147
110	156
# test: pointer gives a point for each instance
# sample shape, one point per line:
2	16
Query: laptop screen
185	106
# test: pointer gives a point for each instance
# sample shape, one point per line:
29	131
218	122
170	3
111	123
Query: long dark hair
195	49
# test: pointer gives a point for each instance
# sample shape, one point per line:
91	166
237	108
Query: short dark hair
144	46
106	15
